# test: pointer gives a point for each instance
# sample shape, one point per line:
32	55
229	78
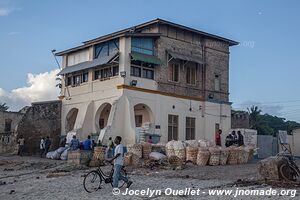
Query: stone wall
239	119
7	137
213	52
42	119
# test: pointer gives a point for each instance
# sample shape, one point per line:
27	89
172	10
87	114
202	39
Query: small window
217	82
115	71
190	128
96	75
135	71
148	73
7	127
172	127
174	72
191	74
69	80
85	77
76	79
138	120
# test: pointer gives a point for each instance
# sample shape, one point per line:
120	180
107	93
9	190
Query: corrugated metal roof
192	58
145	58
88	64
127	30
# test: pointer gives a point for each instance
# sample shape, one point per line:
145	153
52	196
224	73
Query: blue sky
263	69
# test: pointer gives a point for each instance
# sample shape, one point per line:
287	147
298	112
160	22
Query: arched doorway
71	119
142	115
102	116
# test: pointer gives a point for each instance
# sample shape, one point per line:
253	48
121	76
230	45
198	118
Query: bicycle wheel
92	181
288	172
121	182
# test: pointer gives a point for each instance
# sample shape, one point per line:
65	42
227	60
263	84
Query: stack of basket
179	150
170	148
202	156
215	154
136	149
98	157
243	155
191	154
233	157
174	161
146	150
224	156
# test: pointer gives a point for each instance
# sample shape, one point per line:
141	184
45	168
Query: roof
130	29
88	64
145	58
186	57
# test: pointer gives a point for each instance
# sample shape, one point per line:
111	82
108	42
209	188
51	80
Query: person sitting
87	144
229	140
240	141
74	144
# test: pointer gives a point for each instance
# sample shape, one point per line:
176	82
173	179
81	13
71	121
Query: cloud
5	11
13	33
40	87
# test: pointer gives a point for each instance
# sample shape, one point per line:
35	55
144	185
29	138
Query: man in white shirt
118	164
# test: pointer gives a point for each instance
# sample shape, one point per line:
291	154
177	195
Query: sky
264	68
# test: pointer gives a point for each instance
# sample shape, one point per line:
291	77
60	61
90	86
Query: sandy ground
28	178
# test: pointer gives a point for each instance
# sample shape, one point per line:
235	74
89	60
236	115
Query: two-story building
154	78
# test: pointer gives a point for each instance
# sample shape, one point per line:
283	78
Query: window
76	80
77	57
106	48
7	127
217	82
190	128
148	73
142	45
172	127
106	72
138	120
191	74
85	77
69	80
135	71
174	72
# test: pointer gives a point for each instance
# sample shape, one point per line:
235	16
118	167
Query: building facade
157	78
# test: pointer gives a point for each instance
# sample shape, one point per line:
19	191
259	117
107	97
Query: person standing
110	146
74	144
150	139
21	142
87	144
42	146
47	145
218	137
118	164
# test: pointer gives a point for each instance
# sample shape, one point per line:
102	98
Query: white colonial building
157	78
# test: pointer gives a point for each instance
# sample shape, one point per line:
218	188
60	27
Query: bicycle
289	169
93	180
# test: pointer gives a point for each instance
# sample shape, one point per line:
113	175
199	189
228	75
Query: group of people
87	144
233	138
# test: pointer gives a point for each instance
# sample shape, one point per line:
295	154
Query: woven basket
233	156
180	153
175	161
191	154
214	158
170	152
202	157
99	153
135	160
243	156
146	150
136	149
128	159
224	156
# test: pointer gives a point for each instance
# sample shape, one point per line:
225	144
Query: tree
254	114
3	107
